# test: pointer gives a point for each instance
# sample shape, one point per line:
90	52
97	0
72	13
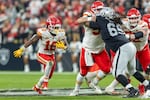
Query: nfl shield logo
4	56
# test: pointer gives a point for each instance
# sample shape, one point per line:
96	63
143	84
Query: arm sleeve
95	25
139	35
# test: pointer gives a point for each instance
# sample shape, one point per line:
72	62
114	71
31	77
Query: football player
94	60
114	38
136	31
52	37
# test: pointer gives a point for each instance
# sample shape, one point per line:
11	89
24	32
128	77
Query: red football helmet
146	18
133	16
53	23
96	7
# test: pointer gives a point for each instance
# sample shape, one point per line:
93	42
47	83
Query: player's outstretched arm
18	53
85	20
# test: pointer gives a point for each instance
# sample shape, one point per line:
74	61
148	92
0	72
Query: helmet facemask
133	20
53	29
53	25
97	10
134	17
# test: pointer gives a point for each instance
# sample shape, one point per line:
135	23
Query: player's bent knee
83	74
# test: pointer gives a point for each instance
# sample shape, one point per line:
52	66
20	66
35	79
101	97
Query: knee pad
79	78
90	75
100	74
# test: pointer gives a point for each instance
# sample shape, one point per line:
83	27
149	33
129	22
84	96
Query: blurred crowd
19	19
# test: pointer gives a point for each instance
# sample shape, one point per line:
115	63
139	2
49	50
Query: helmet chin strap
53	34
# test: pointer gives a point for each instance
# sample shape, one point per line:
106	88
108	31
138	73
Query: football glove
60	45
18	53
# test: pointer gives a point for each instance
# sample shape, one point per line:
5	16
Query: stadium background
19	19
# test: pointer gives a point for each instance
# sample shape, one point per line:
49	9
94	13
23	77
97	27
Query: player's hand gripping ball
60	45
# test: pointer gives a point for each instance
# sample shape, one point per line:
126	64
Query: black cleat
132	93
147	87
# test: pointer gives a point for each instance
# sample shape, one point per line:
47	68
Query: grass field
21	80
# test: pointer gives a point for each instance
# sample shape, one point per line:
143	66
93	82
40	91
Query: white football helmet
96	7
146	18
108	13
133	16
53	24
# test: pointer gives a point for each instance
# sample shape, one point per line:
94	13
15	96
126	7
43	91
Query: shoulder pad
40	31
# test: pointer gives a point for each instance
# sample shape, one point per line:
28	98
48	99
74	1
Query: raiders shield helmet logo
4	56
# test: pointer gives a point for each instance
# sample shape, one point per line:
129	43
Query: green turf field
21	80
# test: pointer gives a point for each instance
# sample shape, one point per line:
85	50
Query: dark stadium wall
9	63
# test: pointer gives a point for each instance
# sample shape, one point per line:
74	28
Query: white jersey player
137	31
94	60
51	37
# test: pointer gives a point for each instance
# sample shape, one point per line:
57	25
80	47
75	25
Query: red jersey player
94	60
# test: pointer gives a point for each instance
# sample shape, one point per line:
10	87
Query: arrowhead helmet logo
4	56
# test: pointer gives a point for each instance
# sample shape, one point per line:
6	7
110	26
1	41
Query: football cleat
146	95
132	93
45	86
147	87
96	88
110	90
74	93
38	90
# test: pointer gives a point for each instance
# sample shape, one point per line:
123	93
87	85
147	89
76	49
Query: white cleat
45	88
74	93
146	95
98	91
96	88
110	90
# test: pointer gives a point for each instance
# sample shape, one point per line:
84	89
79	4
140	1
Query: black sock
123	80
139	77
